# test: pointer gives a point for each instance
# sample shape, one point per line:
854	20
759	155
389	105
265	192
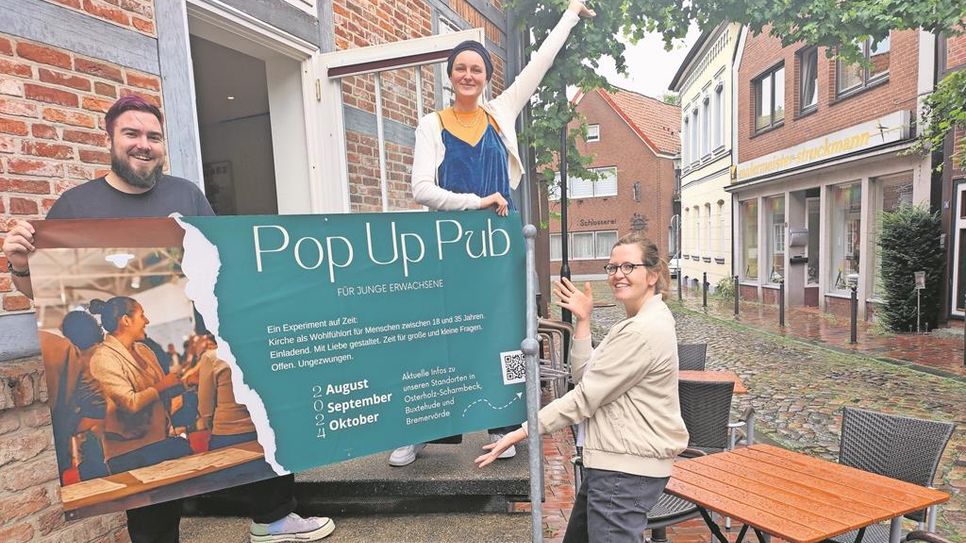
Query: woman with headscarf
466	155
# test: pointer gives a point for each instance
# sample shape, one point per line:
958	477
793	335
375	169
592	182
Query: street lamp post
564	262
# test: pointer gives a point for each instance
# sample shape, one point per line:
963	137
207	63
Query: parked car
675	266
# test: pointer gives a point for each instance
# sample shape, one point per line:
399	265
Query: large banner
190	354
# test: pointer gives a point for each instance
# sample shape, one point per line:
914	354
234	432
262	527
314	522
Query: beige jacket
136	417
504	109
217	409
628	396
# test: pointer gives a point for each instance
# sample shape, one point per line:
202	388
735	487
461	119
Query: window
698	245
584	245
890	193
749	239
447	96
686	232
705	126
707	229
775	218
769	92
813	218
721	229
585	188
845	225
685	157
718	115
853	77
593	133
808	84
695	129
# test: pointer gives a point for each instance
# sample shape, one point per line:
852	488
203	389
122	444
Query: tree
835	24
671	98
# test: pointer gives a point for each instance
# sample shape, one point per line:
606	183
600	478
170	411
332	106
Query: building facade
952	57
705	89
819	157
271	106
633	140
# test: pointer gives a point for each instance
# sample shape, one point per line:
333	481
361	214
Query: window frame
868	80
553	193
768	74
571	256
594	138
800	58
718	140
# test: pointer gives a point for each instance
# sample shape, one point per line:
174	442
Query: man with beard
136	187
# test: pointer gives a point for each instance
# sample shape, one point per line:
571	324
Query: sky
649	67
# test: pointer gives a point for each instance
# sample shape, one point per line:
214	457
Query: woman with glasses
625	401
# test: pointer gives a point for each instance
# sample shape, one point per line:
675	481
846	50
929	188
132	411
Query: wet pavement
798	386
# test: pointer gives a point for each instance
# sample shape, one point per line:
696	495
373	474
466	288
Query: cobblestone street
798	390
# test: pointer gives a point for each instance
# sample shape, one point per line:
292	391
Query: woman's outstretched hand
497	202
495	449
580	303
580	8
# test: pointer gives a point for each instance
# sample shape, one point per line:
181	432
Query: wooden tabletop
793	496
714	375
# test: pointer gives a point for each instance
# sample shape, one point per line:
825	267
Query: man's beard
122	168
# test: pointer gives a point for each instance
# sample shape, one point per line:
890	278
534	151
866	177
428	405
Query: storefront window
749	239
891	192
845	204
775	249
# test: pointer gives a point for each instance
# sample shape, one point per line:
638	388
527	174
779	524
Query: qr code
514	367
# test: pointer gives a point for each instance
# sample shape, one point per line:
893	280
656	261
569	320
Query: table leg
895	530
741	534
712	526
762	537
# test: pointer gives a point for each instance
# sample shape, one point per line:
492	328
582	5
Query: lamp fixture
120	260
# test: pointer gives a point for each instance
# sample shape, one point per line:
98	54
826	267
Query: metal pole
918	314
704	293
855	316
737	295
564	262
530	348
781	303
964	335
679	280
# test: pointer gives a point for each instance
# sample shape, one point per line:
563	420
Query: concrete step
442	480
424	528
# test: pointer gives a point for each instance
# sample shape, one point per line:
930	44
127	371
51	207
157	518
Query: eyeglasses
626	268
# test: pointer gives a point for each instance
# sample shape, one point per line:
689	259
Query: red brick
25	186
44	131
51	521
18	533
19	69
27	475
72	118
149	82
10	126
94	157
48	150
46	204
6	47
98	9
64	80
74	171
43	55
105	89
97	104
49	95
95	139
8	145
150	98
99	69
18	107
20	206
9	419
35	167
11	87
143	25
5	286
24	504
38	416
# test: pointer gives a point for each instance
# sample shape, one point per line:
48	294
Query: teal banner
353	334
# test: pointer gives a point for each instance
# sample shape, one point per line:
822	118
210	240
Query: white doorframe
959	221
334	188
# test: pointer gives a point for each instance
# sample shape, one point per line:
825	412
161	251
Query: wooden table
793	496
714	375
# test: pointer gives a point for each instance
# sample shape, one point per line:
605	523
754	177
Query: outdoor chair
692	356
555	369
928	537
899	447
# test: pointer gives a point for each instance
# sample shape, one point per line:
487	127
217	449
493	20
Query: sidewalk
940	351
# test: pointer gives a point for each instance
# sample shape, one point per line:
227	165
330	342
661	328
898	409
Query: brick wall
134	14
30	508
377	22
619	146
956	60
763	52
52	105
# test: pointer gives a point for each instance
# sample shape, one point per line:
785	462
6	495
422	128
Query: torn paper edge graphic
201	265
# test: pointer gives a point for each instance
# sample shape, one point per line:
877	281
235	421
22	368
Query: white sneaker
509	453
292	528
403	456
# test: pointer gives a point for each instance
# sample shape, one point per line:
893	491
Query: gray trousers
612	506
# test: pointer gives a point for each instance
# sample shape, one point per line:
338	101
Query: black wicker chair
899	447
692	356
